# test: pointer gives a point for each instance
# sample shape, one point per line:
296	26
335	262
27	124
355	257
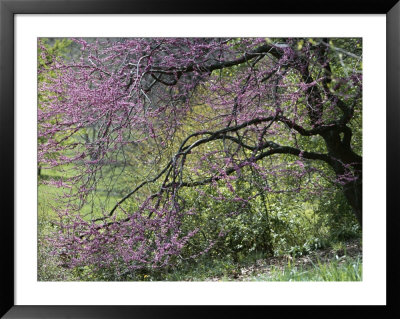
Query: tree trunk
341	153
353	194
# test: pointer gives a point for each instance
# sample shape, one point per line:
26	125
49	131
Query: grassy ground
340	262
335	270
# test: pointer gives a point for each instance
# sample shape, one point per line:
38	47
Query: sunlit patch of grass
51	197
335	270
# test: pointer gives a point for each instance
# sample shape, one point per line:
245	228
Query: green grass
335	270
50	196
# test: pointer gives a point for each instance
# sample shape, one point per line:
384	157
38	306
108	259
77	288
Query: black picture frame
8	8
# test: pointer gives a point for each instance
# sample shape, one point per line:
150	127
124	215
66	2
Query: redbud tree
191	113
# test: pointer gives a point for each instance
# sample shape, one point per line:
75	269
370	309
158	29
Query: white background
372	290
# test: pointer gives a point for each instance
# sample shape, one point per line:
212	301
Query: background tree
48	50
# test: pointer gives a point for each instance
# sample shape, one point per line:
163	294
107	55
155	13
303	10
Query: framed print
165	159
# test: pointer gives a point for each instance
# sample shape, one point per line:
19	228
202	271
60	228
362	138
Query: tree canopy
170	125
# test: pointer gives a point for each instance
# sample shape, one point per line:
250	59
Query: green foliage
236	227
53	49
336	214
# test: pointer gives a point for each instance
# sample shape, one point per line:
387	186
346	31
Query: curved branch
276	149
263	49
134	191
222	134
320	129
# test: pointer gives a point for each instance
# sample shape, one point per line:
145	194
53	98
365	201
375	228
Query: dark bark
353	194
342	154
345	162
